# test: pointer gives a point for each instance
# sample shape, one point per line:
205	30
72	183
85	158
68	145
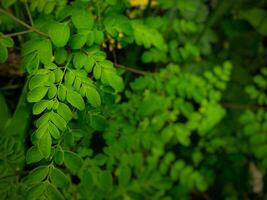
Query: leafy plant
188	122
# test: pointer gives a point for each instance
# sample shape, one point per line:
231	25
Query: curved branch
136	71
22	23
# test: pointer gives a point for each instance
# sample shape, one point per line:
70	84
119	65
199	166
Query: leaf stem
136	71
22	23
64	71
18	33
29	13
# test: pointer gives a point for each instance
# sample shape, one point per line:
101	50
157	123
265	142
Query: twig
136	71
18	33
22	23
29	13
130	69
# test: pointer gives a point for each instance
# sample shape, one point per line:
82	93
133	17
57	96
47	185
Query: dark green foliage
188	122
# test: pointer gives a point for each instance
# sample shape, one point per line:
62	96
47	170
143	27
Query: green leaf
62	92
40	107
58	178
37	94
35	192
52	91
90	38
79	60
53	193
30	62
8	3
124	175
82	19
69	139
78	41
115	82
69	78
59	156
59	34
98	122
98	37
43	119
87	179
97	71
7	42
115	23
58	75
147	36
106	181
3	54
53	130
257	18
61	55
58	121
37	175
33	155
75	99
89	64
38	80
49	7
72	161
44	145
93	96
42	129
45	51
31	46
77	84
64	111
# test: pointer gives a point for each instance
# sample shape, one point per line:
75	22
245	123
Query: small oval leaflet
59	34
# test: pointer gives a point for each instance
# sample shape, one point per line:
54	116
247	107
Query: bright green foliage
5	42
47	7
254	123
59	34
189	123
145	128
257	91
11	161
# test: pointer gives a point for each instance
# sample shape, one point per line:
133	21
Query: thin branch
22	22
29	13
130	69
18	33
136	71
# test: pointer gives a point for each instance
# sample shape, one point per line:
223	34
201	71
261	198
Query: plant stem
22	23
130	69
136	71
29	13
18	33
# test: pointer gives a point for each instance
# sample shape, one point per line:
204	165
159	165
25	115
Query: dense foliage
133	100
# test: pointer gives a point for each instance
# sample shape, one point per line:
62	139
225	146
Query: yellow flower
142	2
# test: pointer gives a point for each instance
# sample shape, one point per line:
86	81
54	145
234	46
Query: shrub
188	122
